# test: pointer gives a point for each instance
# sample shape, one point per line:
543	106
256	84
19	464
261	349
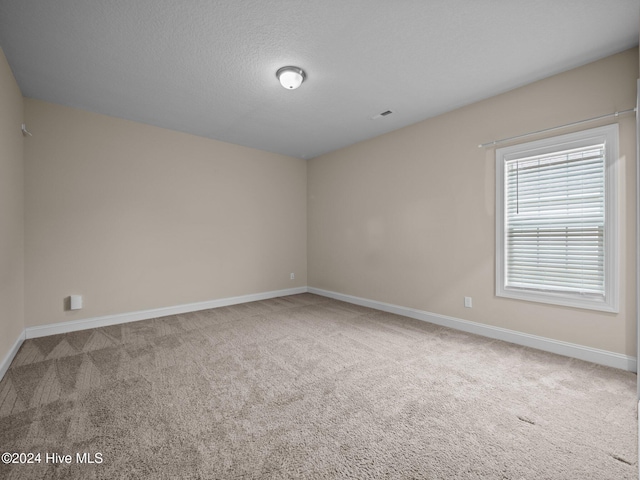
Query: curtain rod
614	114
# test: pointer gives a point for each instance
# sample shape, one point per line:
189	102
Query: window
556	220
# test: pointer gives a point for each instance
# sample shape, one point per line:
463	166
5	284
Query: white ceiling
208	67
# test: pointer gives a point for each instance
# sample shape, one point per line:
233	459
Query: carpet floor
309	387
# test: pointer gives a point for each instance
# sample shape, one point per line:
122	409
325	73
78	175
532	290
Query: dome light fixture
291	77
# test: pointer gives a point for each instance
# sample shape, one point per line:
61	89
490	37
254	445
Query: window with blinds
556	220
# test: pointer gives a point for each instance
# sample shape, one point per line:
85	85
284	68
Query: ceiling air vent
383	114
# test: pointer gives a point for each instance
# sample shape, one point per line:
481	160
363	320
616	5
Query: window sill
565	300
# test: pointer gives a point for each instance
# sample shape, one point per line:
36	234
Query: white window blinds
555	221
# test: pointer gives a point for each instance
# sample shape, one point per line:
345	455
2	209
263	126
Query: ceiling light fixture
290	77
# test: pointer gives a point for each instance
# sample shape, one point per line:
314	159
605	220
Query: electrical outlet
467	302
75	302
293	276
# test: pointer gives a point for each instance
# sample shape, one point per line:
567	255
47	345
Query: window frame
608	135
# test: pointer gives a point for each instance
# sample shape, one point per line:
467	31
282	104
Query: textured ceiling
208	67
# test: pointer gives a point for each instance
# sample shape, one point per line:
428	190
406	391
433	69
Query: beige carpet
308	387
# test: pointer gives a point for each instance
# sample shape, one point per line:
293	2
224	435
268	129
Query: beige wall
408	218
135	217
11	210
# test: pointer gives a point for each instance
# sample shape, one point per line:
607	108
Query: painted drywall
11	210
408	218
134	217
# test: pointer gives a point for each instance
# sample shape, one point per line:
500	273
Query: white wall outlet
75	302
293	276
467	302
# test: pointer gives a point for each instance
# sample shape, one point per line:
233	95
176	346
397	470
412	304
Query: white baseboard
65	327
8	358
601	357
594	355
75	325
